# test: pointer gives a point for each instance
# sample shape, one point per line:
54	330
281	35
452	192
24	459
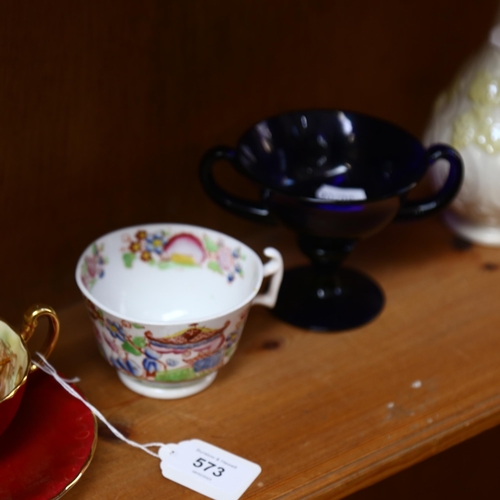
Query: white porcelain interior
13	360
168	273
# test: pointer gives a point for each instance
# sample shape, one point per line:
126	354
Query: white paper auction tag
197	465
207	469
326	192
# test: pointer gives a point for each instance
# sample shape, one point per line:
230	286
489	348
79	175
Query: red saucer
49	445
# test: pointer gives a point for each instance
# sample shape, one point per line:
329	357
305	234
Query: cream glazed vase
467	116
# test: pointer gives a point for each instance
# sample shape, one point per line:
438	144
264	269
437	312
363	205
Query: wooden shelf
323	414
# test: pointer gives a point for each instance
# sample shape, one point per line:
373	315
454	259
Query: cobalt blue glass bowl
333	177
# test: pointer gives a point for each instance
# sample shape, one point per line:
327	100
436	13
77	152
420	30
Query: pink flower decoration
91	263
225	259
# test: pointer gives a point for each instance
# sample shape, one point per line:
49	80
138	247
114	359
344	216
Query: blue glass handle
413	209
252	210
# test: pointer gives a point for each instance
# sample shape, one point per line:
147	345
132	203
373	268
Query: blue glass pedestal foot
324	304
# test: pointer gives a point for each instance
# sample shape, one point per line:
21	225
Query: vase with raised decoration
467	116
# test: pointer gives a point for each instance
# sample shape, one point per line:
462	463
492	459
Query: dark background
107	106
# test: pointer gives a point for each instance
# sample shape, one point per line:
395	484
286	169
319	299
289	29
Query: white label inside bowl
326	192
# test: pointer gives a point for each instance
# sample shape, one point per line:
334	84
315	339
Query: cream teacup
15	361
168	302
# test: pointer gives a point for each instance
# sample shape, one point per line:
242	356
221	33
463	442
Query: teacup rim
88	295
27	369
321	201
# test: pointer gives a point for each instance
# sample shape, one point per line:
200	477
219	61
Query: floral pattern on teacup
93	266
12	360
166	250
188	354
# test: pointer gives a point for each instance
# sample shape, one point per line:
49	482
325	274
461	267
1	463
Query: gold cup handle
31	317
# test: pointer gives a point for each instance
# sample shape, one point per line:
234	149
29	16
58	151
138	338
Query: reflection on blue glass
321	141
248	157
303	120
345	123
267	145
263	130
265	136
282	163
334	207
337	171
339	180
321	161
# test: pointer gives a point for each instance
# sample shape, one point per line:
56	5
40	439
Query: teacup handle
31	317
274	268
418	208
250	209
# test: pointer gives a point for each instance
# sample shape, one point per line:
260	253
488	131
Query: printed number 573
205	465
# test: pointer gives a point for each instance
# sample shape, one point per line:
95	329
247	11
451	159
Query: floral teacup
168	302
15	363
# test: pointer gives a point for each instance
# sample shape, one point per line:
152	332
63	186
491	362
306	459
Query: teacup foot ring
159	390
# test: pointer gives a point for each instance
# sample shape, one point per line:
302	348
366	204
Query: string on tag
46	367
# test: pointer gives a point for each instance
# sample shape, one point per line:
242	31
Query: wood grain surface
323	414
